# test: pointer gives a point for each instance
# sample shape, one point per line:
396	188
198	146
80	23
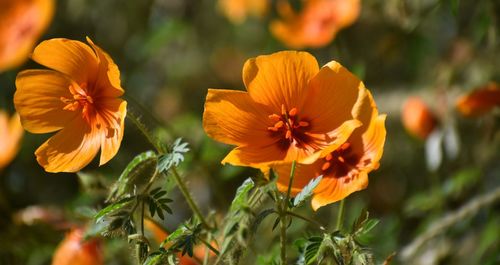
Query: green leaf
454	7
137	173
307	191
241	196
175	157
276	222
114	207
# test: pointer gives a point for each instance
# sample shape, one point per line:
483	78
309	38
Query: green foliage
174	157
307	191
184	238
158	203
137	173
161	257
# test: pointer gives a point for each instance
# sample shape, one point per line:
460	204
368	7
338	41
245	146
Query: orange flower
291	110
344	167
11	133
74	251
317	24
79	97
22	23
238	10
479	101
417	118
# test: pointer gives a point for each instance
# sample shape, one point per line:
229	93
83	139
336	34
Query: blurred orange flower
22	23
73	250
344	167
316	25
417	118
291	110
238	10
79	98
11	133
479	101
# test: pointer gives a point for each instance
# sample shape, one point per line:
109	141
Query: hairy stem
340	216
283	209
307	219
179	181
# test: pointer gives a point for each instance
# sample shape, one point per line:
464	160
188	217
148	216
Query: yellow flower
317	23
22	23
11	133
238	10
79	98
344	167
291	111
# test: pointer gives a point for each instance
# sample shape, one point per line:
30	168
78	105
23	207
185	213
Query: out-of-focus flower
317	24
290	111
344	168
42	214
11	133
417	118
79	98
238	10
21	24
73	250
479	101
159	235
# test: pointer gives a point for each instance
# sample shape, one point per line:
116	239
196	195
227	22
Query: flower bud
417	118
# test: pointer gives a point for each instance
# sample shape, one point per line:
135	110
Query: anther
341	159
283	109
303	123
325	166
274	129
288	134
275	117
292	112
345	146
279	124
328	157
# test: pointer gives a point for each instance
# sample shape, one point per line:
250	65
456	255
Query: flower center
340	162
81	100
289	126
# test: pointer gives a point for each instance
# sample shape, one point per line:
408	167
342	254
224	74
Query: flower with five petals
79	97
292	110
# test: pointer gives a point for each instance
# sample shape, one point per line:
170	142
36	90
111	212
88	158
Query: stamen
303	123
345	146
329	157
341	159
274	129
288	135
325	166
275	117
283	109
279	124
292	112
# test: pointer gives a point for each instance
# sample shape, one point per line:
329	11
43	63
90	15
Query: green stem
307	219
142	218
187	196
214	250
283	209
340	216
179	181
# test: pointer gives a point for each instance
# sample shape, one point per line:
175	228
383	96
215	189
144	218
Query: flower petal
332	189
70	149
257	157
73	58
111	137
333	93
108	79
280	78
38	100
232	117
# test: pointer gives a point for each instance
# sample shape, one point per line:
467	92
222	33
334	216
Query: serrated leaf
307	191
137	173
241	196
112	208
175	157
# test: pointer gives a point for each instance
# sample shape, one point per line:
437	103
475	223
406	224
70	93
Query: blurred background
171	51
